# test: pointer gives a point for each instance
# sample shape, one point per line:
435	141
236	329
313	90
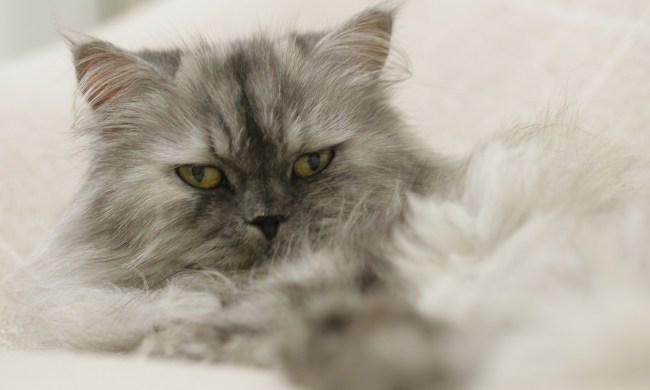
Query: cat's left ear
361	46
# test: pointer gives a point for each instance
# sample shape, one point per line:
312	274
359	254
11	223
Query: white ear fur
362	44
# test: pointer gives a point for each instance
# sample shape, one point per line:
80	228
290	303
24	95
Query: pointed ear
106	74
362	44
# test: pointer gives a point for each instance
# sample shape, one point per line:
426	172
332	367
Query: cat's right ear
107	74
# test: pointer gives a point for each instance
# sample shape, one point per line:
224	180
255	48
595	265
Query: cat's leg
327	332
242	332
207	342
372	343
338	341
246	329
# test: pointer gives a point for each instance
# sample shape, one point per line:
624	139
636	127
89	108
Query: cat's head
230	156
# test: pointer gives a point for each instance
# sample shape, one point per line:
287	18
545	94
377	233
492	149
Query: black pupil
198	173
313	159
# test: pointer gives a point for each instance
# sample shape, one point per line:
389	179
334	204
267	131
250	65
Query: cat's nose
268	224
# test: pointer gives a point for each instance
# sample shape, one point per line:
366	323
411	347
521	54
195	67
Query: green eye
200	176
311	163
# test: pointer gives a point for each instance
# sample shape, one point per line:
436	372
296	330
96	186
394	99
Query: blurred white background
28	24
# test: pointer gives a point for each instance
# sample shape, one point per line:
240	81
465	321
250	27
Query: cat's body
324	271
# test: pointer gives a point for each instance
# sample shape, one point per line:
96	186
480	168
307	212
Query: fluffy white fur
543	259
540	255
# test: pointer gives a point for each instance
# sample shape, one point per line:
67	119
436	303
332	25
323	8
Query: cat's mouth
254	252
248	246
263	253
255	260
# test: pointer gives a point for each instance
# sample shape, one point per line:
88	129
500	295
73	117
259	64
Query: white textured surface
82	372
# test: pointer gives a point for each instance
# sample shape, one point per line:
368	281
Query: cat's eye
310	164
200	176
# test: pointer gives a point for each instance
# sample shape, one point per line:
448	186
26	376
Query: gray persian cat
235	209
262	203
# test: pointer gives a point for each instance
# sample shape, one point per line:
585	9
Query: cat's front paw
381	344
197	342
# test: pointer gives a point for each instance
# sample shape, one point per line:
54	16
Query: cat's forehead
260	98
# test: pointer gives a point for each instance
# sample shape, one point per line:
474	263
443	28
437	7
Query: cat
262	202
231	190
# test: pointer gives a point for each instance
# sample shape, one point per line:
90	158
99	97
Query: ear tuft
363	43
106	73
